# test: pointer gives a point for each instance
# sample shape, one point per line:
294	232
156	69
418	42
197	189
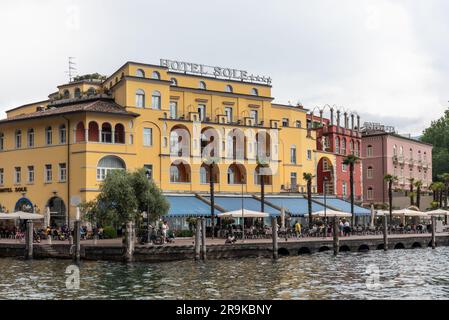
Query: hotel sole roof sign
217	72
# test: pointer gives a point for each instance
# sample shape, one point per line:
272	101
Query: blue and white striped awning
187	206
343	205
233	203
295	206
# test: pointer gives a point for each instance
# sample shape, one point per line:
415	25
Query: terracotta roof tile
100	106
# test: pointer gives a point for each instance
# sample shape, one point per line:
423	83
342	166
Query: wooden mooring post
130	240
385	232
77	241
203	238
197	240
29	240
336	236
434	225
274	228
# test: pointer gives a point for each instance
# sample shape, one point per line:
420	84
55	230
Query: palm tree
411	181
308	177
390	179
351	160
418	185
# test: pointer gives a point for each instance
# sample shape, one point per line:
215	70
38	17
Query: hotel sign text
217	72
9	190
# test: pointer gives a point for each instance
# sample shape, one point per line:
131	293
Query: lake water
398	274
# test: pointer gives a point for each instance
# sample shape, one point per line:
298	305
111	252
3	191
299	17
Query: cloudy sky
385	59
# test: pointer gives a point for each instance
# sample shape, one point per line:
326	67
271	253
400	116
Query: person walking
298	229
164	231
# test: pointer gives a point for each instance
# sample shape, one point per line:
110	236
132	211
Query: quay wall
239	250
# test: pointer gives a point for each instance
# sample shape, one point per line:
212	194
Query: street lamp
148	175
325	206
211	161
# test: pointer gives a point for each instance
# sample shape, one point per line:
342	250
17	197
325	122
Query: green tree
445	180
390	179
438	135
351	160
308	178
123	197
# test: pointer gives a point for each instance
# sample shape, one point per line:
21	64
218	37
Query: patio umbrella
438	212
20	216
373	215
243	214
282	218
410	213
47	217
332	213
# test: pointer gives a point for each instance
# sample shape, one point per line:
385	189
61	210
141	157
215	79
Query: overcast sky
385	59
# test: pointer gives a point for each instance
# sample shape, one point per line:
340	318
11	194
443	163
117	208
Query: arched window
156	100
369	173
254	92
66	94
174	82
156	75
298	124
203	175
401	151
419	155
202	85
337	145
94	132
91	91
119	132
351	147
357	148
2	141
229	88
179	172
236	174
48	136
265	172
77	93
62	134
369	151
30	138
344	189
107	164
395	150
80	132
106	133
140	98
140	73
411	154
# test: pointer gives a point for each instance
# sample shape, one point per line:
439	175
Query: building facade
172	121
386	152
339	136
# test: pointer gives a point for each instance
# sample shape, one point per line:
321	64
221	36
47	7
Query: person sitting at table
231	239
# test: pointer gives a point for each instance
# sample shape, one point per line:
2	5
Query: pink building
386	152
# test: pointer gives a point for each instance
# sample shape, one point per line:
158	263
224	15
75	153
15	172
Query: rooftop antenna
72	70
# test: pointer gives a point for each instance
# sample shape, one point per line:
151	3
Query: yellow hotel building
55	153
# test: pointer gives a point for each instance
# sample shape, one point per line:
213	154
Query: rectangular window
293	155
369	173
149	171
48	136
18	140
369	151
17	175
344	189
30	138
309	154
147	137
370	194
2	176
30	174
173	110
285	122
228	113
202	112
344	167
48	173
62	172
2	141
62	135
254	115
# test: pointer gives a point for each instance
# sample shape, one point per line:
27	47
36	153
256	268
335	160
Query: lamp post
211	161
325	205
148	174
243	216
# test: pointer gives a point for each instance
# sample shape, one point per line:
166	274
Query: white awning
410	213
438	212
